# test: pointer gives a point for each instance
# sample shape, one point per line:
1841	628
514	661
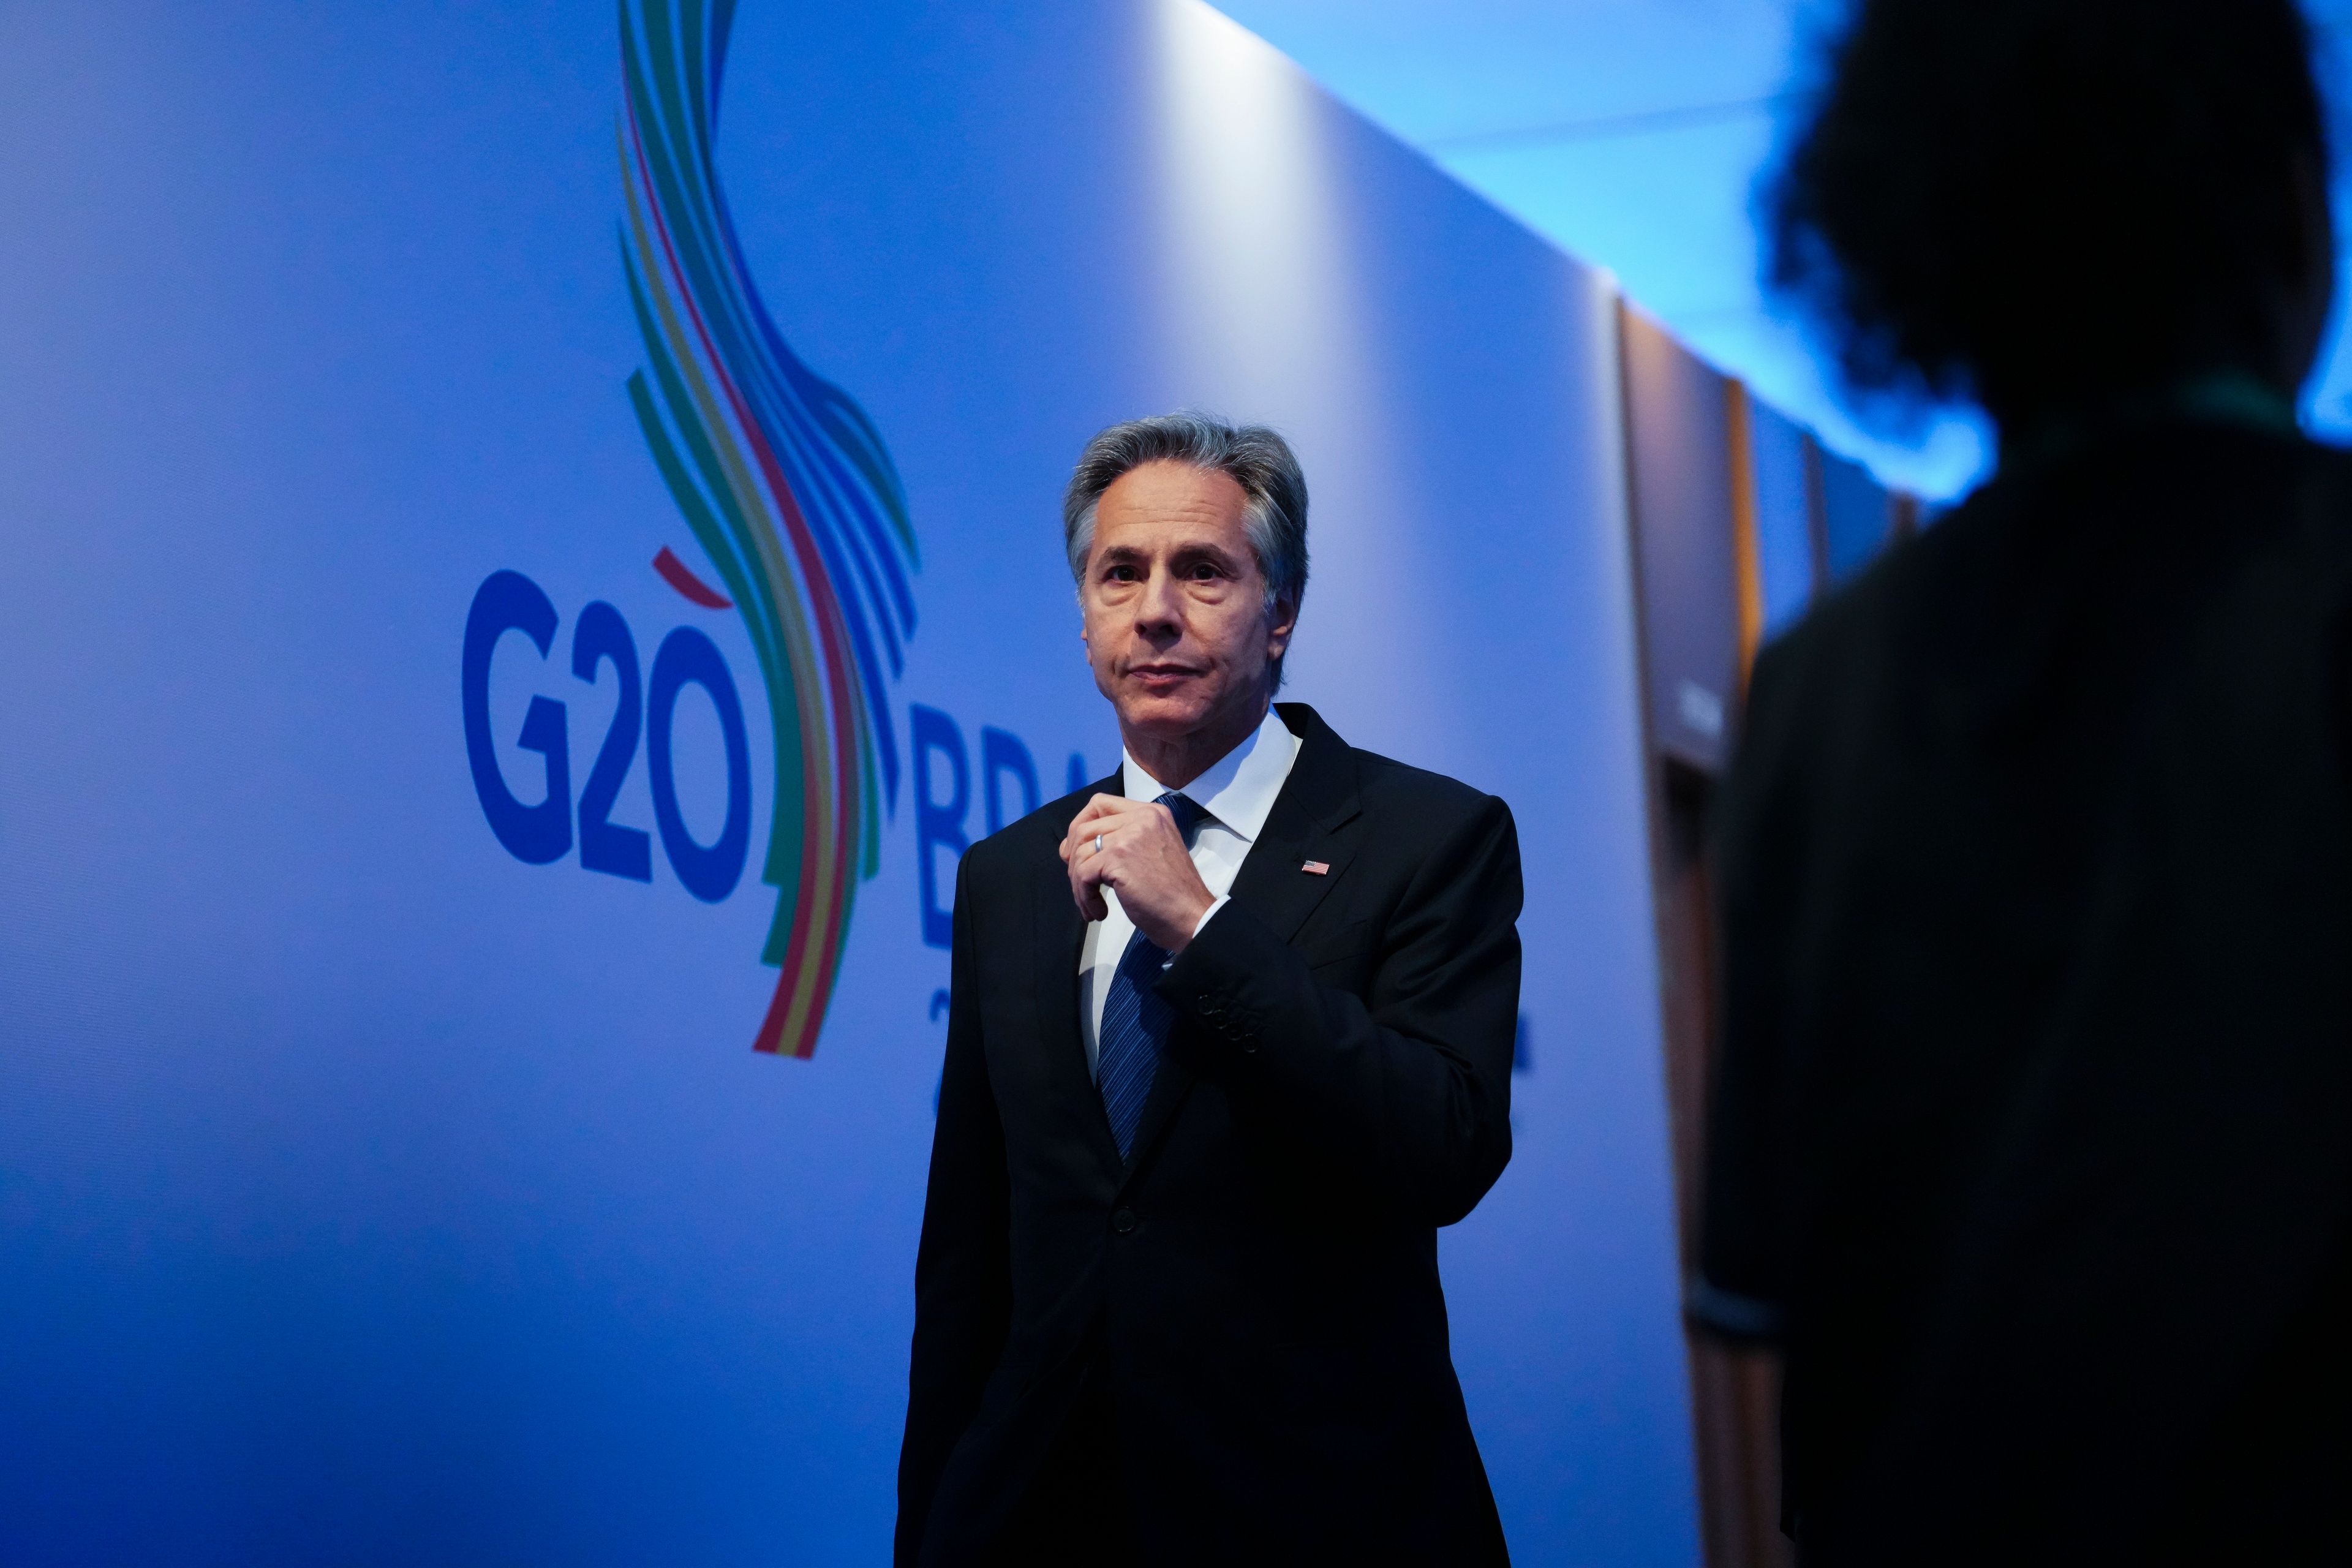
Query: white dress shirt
1237	792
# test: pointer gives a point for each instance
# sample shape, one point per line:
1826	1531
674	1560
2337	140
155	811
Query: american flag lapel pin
1316	868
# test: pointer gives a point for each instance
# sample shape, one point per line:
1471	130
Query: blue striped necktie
1134	1020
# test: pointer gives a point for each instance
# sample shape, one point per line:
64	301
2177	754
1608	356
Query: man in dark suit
1230	1037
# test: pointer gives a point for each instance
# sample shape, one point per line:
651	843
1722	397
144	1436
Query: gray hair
1274	491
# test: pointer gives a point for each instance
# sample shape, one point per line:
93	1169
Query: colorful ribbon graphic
788	488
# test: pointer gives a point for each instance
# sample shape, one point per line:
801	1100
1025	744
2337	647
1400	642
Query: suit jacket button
1123	1221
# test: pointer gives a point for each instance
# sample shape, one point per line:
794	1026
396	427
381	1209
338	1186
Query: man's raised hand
1142	857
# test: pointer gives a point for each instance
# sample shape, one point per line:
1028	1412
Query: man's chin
1168	718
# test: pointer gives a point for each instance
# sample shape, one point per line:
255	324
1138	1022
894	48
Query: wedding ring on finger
1097	843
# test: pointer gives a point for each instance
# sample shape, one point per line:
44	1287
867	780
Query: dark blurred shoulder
2032	616
2028	546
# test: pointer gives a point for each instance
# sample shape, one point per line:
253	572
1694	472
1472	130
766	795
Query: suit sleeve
963	1284
1410	1087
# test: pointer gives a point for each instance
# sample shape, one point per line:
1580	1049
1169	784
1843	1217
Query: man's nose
1161	609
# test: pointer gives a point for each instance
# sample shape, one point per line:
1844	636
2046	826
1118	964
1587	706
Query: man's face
1177	625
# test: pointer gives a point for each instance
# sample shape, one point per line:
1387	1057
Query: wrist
1197	924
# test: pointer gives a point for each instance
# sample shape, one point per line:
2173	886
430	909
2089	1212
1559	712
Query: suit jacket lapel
1060	941
1312	822
1315	817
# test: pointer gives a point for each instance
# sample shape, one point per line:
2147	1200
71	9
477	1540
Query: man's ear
1281	620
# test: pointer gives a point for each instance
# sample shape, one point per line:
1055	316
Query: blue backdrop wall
387	1171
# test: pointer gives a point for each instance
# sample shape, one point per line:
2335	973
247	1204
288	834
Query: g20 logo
541	832
794	503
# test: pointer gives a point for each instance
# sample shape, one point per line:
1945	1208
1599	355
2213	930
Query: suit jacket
1258	1283
2035	1111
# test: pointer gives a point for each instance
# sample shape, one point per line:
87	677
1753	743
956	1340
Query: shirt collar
1239	788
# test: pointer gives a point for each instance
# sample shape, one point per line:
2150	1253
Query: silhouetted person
2033	1144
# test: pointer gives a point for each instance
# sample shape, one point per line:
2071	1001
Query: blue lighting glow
1631	133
